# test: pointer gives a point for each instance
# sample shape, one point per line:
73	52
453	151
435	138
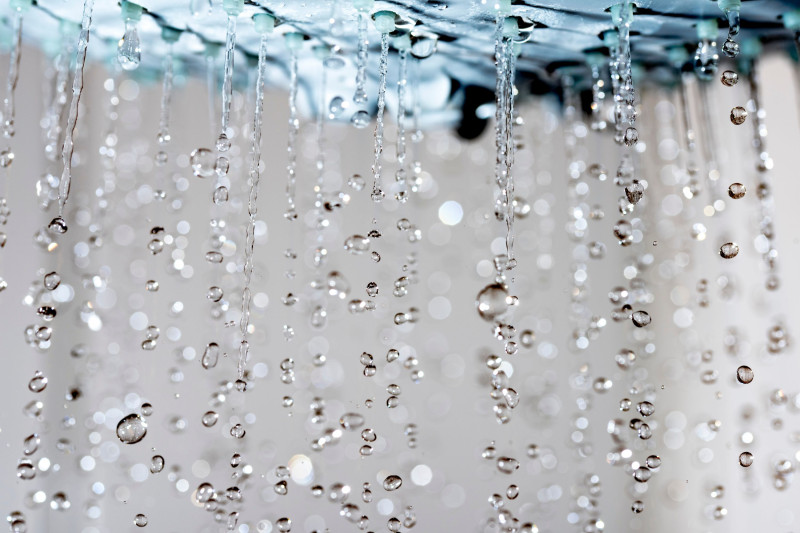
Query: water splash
252	201
72	120
377	189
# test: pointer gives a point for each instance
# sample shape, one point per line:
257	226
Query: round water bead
238	431
220	195
645	408
640	318
203	162
284	525
625	404
210	418
737	190
512	492
140	520
729	250
507	465
131	429
642	474
6	158
637	507
51	281
156	464
745	459
744	374
493	301
38	382
392	482
356	182
730	47
738	115
631	136
336	106
356	244
214	293
653	461
151	285
204	493
729	78
360	119
147	409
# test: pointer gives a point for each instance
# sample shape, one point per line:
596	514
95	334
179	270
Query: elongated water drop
363	7
129	49
77	90
294	42
384	22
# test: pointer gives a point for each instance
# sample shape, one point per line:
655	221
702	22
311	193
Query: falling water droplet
38	382
737	191
729	250
744	374
392	482
140	520
729	78
738	115
129	50
640	318
131	429
203	162
156	464
493	301
745	459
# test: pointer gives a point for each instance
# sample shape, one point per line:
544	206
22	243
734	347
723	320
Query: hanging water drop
129	51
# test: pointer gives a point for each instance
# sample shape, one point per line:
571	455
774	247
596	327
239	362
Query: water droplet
745	459
38	382
31	444
653	461
356	182
493	301
392	482
281	487
645	408
284	525
625	404
151	285
369	435
214	257
140	520
637	507
631	136
729	78
360	119
642	474
237	431
507	465
729	250
738	115
203	162
351	421
156	464
210	418
204	493
58	226
131	429
220	195
512	492
210	355
129	50
744	374
214	293
356	244
147	409
6	158
640	318
737	190
26	470
52	281
372	289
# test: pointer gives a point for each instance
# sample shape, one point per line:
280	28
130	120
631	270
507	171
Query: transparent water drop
738	115
729	250
214	293
356	244
210	355
625	404
151	285
351	421
637	507
203	162
336	106
356	182
281	488
745	459
237	431
645	408
220	195
31	444
210	418
360	119
744	374
58	225
392	482
737	191
284	525
642	474
706	60
653	461
51	281
156	464
507	465
493	301
38	382
131	429
631	136
140	520
129	49
729	78
26	470
204	493
640	319
214	257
